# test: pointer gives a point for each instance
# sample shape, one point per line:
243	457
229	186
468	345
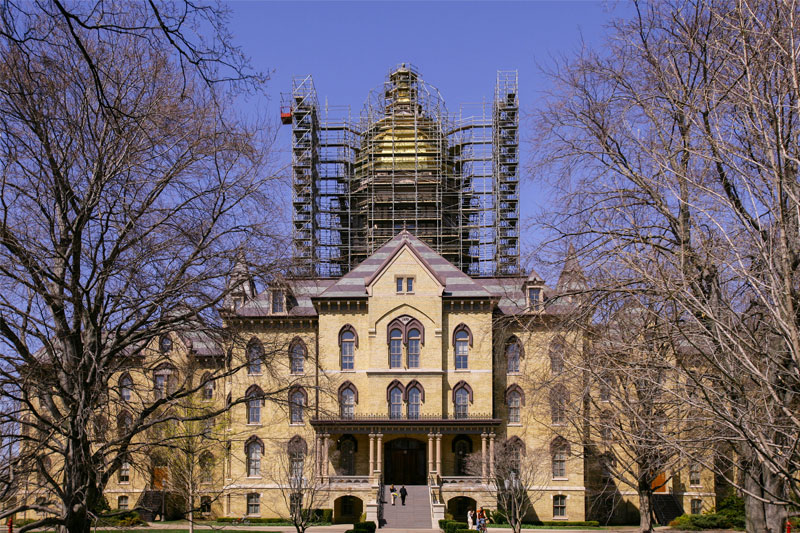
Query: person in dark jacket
403	494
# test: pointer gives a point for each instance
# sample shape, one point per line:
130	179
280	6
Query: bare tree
302	487
128	190
517	478
679	153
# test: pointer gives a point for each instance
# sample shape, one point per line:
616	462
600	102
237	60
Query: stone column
431	437
491	455
379	444
483	455
371	454
439	454
325	444
318	453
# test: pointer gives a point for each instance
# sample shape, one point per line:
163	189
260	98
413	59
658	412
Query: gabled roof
456	284
300	293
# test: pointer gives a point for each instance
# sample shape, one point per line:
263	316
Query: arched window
254	450
164	381
395	348
100	428
557	356
513	353
297	449
125	387
255	357
297	356
347	446
206	467
559	397
514	448
297	403
462	447
413	348
462	397
462	403
347	343
606	425
124	472
514	400
462	338
414	401
347	402
255	399
559	449
124	423
165	344
208	387
396	402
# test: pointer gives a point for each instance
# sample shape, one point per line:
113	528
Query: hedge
369	527
230	520
453	526
443	523
552	523
696	522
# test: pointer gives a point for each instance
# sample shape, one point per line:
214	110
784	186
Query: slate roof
456	283
300	293
508	291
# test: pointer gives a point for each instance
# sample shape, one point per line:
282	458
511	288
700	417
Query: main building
406	346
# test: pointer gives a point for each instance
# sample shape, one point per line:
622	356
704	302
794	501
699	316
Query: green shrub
454	526
448	516
498	517
369	527
363	517
465	531
127	519
274	521
350	531
322	515
696	522
443	523
583	523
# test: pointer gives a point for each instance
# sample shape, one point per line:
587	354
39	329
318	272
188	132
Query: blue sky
349	47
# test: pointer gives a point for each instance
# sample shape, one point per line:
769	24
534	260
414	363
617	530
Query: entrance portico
403	451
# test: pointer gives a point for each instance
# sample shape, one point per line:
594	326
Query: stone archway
459	506
347	509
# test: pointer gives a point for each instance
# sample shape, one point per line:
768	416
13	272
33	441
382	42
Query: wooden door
660	483
160	477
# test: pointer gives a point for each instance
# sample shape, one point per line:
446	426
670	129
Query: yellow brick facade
349	454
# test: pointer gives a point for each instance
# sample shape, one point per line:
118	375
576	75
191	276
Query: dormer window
535	298
405	285
277	301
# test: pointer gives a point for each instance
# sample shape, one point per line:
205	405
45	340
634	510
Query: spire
571	280
241	287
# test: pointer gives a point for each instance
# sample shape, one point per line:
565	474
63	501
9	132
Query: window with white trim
413	348
559	506
122	503
462	350
253	504
413	403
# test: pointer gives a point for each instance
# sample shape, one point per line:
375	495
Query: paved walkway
415	514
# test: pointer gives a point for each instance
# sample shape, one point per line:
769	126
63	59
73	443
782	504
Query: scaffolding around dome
405	163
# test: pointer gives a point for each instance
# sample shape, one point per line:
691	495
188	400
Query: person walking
470	518
403	494
393	492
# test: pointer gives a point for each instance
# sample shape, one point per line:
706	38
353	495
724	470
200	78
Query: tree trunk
763	517
645	507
